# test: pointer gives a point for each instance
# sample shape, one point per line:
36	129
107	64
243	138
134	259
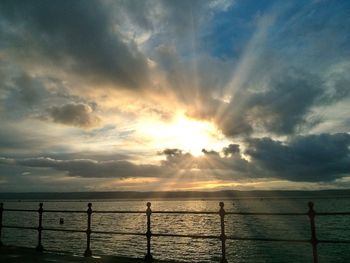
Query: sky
162	95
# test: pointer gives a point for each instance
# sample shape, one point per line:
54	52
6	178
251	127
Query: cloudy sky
174	95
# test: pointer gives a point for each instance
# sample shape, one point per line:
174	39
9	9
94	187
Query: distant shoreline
184	195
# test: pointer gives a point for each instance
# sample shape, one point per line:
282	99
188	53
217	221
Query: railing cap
40	210
89	211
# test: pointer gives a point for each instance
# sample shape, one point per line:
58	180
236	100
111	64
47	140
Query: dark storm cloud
26	97
321	157
176	158
94	169
231	167
79	115
281	109
171	152
312	158
21	94
231	149
28	91
211	152
78	35
286	104
18	140
6	161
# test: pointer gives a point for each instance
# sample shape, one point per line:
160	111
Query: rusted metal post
313	241
39	247
88	252
222	236
148	257
1	211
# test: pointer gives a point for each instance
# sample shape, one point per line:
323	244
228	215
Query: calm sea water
188	249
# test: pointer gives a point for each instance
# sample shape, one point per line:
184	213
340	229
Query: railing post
222	236
39	247
148	257
1	211
88	252
313	241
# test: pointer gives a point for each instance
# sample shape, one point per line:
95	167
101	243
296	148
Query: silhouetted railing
311	214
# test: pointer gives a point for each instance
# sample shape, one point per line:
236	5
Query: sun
186	134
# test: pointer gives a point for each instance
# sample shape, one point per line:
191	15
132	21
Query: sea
184	249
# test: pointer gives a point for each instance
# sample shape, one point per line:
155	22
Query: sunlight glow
186	134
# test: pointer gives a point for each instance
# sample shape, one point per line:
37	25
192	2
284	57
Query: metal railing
311	214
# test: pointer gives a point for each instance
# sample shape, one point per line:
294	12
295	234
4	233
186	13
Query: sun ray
185	134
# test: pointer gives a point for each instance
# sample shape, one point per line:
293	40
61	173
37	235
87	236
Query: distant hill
229	194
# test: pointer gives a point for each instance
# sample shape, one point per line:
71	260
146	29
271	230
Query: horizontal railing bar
20	210
334	241
64	230
332	214
186	212
155	212
118	233
117	212
265	214
64	211
181	235
21	227
267	239
227	213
